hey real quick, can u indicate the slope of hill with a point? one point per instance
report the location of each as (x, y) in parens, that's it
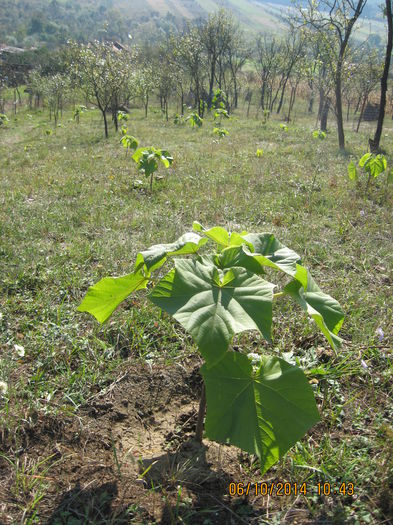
(32, 22)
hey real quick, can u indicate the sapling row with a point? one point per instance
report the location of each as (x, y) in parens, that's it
(255, 401)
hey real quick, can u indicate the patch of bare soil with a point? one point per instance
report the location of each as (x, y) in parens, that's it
(128, 456)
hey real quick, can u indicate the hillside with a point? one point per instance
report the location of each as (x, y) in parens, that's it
(28, 23)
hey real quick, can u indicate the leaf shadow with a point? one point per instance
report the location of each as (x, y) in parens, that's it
(94, 505)
(192, 491)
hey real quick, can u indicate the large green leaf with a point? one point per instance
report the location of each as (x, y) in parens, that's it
(252, 251)
(268, 251)
(352, 171)
(373, 164)
(156, 255)
(213, 305)
(105, 296)
(262, 410)
(326, 311)
(220, 236)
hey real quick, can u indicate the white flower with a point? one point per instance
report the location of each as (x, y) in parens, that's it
(3, 388)
(19, 350)
(380, 334)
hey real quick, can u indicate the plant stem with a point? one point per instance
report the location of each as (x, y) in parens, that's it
(201, 416)
(277, 295)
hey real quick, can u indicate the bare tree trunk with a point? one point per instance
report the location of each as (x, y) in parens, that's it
(324, 114)
(339, 108)
(105, 124)
(374, 143)
(361, 113)
(282, 96)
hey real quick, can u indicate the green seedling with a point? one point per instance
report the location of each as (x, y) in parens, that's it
(373, 165)
(318, 134)
(266, 115)
(129, 142)
(78, 111)
(148, 160)
(259, 153)
(195, 120)
(124, 130)
(219, 114)
(259, 403)
(3, 119)
(122, 116)
(284, 127)
(48, 132)
(178, 119)
(221, 132)
(219, 99)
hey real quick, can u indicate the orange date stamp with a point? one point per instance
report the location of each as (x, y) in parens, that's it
(286, 488)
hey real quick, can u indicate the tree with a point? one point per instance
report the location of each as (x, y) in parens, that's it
(55, 89)
(365, 77)
(216, 36)
(333, 20)
(143, 82)
(190, 52)
(266, 63)
(374, 143)
(103, 73)
(292, 51)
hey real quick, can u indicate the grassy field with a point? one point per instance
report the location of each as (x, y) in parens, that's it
(96, 423)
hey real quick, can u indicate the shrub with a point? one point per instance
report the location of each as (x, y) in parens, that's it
(259, 403)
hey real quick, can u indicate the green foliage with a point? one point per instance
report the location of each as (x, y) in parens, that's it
(263, 409)
(259, 153)
(318, 134)
(373, 165)
(284, 127)
(79, 110)
(219, 100)
(352, 171)
(122, 116)
(129, 142)
(220, 113)
(195, 120)
(221, 132)
(258, 403)
(147, 160)
(178, 119)
(3, 119)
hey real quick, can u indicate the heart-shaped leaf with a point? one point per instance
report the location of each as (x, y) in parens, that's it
(263, 410)
(213, 305)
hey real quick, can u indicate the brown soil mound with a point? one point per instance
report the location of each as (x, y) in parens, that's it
(128, 456)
